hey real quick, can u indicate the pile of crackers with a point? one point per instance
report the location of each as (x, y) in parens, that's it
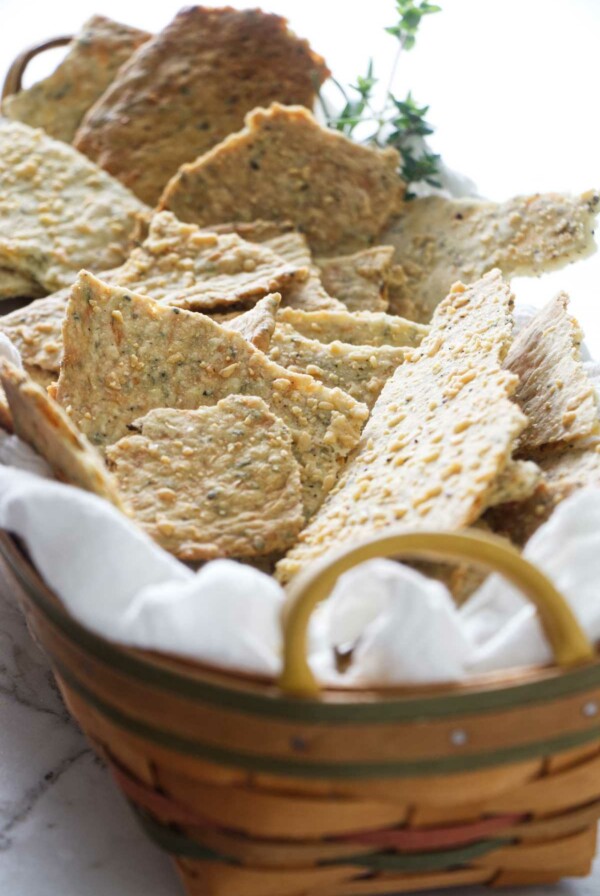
(244, 336)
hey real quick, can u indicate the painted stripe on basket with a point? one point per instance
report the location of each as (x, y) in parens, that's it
(385, 710)
(324, 770)
(178, 844)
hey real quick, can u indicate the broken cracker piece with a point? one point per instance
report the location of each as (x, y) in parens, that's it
(284, 166)
(356, 328)
(554, 389)
(189, 87)
(257, 324)
(14, 285)
(441, 432)
(36, 330)
(183, 266)
(220, 481)
(126, 354)
(360, 281)
(42, 423)
(517, 481)
(439, 241)
(359, 370)
(58, 211)
(58, 103)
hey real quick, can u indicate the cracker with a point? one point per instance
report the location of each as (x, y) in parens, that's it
(440, 434)
(184, 266)
(440, 240)
(258, 324)
(359, 370)
(220, 481)
(58, 211)
(308, 294)
(36, 330)
(58, 103)
(554, 390)
(517, 481)
(360, 280)
(43, 424)
(126, 355)
(285, 166)
(189, 87)
(355, 328)
(14, 285)
(565, 469)
(43, 378)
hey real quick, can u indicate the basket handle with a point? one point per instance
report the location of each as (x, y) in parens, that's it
(13, 83)
(569, 643)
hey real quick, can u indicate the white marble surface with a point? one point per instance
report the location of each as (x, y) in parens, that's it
(513, 91)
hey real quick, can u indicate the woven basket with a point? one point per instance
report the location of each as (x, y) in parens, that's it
(258, 789)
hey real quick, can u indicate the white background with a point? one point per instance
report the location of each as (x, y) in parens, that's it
(513, 88)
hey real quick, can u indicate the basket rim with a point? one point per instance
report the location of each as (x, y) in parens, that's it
(175, 673)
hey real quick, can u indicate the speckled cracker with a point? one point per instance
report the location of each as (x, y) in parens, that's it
(554, 389)
(257, 324)
(221, 481)
(126, 355)
(360, 281)
(36, 330)
(308, 294)
(58, 103)
(285, 166)
(58, 211)
(359, 370)
(355, 328)
(184, 266)
(14, 285)
(440, 240)
(43, 424)
(440, 434)
(189, 87)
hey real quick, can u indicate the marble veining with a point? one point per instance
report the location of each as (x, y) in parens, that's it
(64, 828)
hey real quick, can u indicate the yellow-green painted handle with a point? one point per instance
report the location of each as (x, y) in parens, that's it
(569, 643)
(13, 81)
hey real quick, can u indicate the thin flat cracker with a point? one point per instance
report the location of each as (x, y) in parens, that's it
(36, 330)
(517, 481)
(360, 280)
(126, 355)
(440, 434)
(189, 87)
(440, 240)
(285, 166)
(183, 266)
(58, 211)
(565, 469)
(554, 389)
(220, 481)
(355, 328)
(308, 294)
(258, 324)
(14, 285)
(58, 103)
(360, 370)
(42, 423)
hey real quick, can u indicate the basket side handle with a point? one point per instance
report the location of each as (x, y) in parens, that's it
(569, 643)
(13, 83)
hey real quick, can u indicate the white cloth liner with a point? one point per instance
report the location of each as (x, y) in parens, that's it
(400, 625)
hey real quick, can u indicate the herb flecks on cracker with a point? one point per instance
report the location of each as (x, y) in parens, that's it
(284, 166)
(439, 240)
(189, 87)
(440, 434)
(220, 481)
(355, 328)
(554, 389)
(126, 354)
(42, 423)
(58, 103)
(58, 211)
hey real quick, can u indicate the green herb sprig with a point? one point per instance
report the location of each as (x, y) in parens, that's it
(400, 123)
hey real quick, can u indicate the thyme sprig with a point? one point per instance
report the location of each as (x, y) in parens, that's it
(400, 123)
